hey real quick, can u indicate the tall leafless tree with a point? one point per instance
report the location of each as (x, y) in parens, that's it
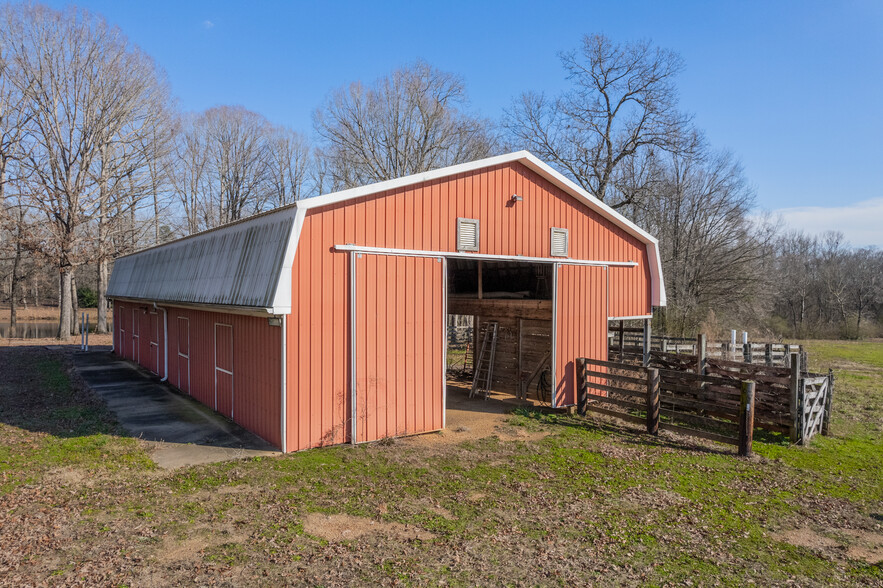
(86, 86)
(622, 103)
(405, 123)
(289, 162)
(713, 251)
(14, 117)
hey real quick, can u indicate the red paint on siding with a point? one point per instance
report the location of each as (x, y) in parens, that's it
(249, 348)
(399, 385)
(424, 216)
(581, 329)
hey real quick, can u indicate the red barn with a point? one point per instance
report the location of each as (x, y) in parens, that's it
(324, 322)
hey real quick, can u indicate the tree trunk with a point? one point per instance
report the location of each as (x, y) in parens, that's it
(102, 264)
(102, 296)
(13, 295)
(64, 304)
(75, 304)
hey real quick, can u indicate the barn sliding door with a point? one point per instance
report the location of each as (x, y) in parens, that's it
(580, 328)
(399, 351)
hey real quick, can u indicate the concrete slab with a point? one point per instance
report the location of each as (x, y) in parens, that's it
(180, 430)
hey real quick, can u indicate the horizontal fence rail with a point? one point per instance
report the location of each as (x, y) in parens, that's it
(701, 406)
(629, 341)
(713, 398)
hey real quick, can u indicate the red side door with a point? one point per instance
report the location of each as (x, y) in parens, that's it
(154, 343)
(183, 330)
(224, 369)
(136, 337)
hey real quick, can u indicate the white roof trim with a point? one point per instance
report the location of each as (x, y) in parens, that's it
(531, 162)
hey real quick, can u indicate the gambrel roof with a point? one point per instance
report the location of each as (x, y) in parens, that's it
(247, 264)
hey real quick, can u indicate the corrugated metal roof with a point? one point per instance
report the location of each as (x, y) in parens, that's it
(240, 265)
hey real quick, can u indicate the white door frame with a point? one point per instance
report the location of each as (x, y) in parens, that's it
(222, 370)
(180, 355)
(136, 334)
(154, 339)
(353, 255)
(122, 330)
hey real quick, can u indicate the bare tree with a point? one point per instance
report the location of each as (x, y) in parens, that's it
(85, 84)
(408, 122)
(289, 161)
(224, 168)
(14, 116)
(623, 102)
(189, 171)
(712, 251)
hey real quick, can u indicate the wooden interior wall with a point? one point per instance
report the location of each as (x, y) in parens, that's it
(521, 344)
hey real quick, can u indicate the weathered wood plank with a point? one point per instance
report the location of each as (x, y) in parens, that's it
(620, 415)
(493, 308)
(613, 389)
(619, 402)
(700, 421)
(698, 433)
(614, 364)
(616, 377)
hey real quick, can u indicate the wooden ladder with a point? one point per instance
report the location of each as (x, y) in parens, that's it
(484, 367)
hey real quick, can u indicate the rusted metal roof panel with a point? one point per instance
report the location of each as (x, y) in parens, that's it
(235, 265)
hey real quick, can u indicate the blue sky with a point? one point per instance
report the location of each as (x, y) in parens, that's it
(793, 88)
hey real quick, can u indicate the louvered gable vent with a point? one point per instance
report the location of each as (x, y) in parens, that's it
(467, 234)
(559, 242)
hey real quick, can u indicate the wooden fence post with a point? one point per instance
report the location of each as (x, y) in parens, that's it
(701, 350)
(653, 401)
(583, 393)
(794, 401)
(664, 345)
(746, 419)
(768, 354)
(646, 358)
(622, 341)
(804, 364)
(827, 418)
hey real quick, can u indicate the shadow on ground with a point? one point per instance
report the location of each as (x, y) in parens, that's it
(36, 394)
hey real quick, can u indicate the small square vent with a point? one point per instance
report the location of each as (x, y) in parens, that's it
(467, 234)
(559, 242)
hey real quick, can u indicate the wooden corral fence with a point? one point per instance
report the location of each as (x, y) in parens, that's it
(709, 407)
(710, 398)
(626, 343)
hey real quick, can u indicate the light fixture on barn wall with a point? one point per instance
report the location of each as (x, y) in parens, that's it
(274, 321)
(516, 198)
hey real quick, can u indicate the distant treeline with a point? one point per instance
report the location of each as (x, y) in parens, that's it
(97, 162)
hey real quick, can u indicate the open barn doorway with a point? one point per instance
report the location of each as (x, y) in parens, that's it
(500, 330)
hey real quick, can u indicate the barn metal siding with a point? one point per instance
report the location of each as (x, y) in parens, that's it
(581, 325)
(238, 265)
(424, 216)
(400, 330)
(255, 359)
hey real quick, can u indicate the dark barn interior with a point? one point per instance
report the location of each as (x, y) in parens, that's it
(518, 297)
